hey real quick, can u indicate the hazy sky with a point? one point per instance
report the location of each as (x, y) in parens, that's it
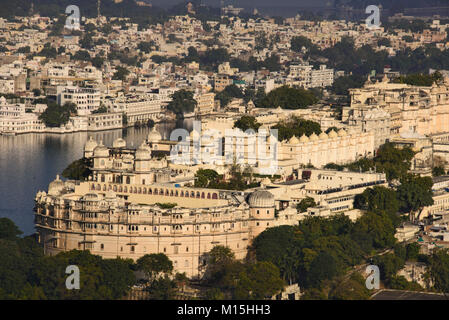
(253, 3)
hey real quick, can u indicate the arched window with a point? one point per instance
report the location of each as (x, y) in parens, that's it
(171, 193)
(155, 191)
(125, 189)
(104, 188)
(92, 186)
(214, 196)
(98, 187)
(150, 191)
(192, 194)
(182, 193)
(135, 189)
(144, 190)
(202, 195)
(115, 188)
(140, 190)
(120, 189)
(161, 192)
(176, 193)
(128, 180)
(102, 178)
(166, 192)
(208, 195)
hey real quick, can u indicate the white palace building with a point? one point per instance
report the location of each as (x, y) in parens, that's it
(124, 210)
(135, 203)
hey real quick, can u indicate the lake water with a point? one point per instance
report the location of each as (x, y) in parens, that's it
(29, 162)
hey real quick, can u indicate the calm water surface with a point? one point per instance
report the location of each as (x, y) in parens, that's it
(29, 162)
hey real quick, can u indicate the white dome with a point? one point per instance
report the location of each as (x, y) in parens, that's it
(56, 186)
(323, 136)
(90, 145)
(101, 151)
(265, 181)
(261, 199)
(304, 138)
(154, 136)
(143, 152)
(119, 143)
(293, 140)
(313, 137)
(332, 134)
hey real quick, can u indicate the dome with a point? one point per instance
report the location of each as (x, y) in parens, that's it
(304, 138)
(261, 199)
(143, 152)
(56, 186)
(332, 134)
(323, 136)
(342, 133)
(265, 181)
(101, 151)
(194, 135)
(154, 136)
(313, 137)
(90, 145)
(119, 143)
(293, 140)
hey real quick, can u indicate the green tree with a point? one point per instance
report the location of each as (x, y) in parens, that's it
(323, 267)
(120, 74)
(412, 251)
(389, 264)
(260, 281)
(438, 171)
(145, 47)
(379, 199)
(182, 102)
(288, 98)
(296, 126)
(353, 288)
(220, 255)
(204, 177)
(297, 43)
(8, 229)
(78, 170)
(375, 230)
(439, 270)
(247, 122)
(305, 203)
(415, 193)
(163, 288)
(56, 115)
(154, 264)
(101, 109)
(282, 247)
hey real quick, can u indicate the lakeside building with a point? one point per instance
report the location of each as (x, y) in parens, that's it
(118, 212)
(14, 119)
(135, 204)
(85, 99)
(136, 107)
